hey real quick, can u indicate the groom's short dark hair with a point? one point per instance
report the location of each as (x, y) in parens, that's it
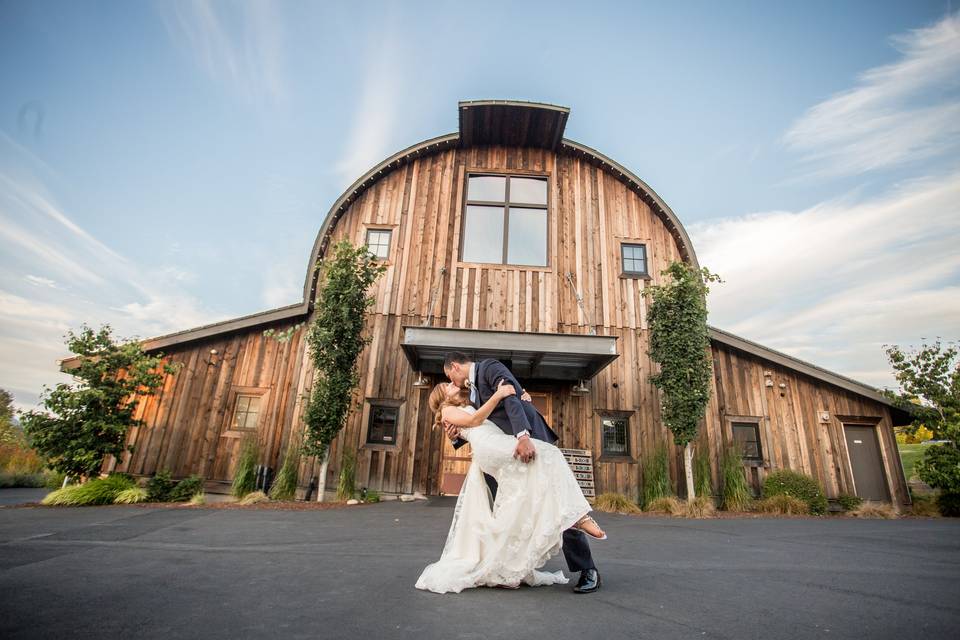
(455, 356)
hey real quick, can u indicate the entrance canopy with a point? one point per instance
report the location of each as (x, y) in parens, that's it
(537, 356)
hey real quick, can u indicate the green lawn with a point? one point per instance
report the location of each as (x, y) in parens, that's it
(909, 454)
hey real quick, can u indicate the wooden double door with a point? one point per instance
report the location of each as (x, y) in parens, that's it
(454, 463)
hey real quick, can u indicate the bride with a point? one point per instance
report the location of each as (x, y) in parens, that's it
(536, 501)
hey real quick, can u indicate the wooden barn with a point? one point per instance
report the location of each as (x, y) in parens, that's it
(507, 240)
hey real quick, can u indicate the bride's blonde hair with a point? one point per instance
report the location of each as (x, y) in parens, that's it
(439, 399)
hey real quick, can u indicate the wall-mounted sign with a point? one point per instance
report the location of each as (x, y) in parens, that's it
(581, 463)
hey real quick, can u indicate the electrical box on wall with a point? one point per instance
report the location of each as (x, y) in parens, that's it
(824, 416)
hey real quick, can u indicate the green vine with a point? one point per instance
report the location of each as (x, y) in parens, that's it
(680, 344)
(336, 339)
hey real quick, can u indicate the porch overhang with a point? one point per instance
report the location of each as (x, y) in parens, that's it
(531, 356)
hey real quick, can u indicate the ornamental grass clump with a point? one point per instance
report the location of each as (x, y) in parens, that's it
(735, 493)
(254, 497)
(284, 487)
(133, 495)
(656, 476)
(615, 503)
(668, 505)
(798, 485)
(347, 485)
(875, 510)
(701, 473)
(700, 507)
(245, 478)
(782, 504)
(92, 492)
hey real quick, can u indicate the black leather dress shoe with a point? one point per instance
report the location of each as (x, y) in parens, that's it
(589, 581)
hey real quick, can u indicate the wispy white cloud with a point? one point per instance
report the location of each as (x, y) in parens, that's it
(375, 116)
(897, 113)
(55, 275)
(238, 44)
(832, 283)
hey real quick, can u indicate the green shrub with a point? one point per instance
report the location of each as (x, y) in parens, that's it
(198, 498)
(656, 476)
(949, 504)
(346, 487)
(735, 492)
(924, 506)
(798, 485)
(53, 479)
(782, 504)
(30, 480)
(940, 468)
(848, 502)
(96, 491)
(132, 495)
(159, 486)
(284, 486)
(372, 496)
(245, 478)
(615, 503)
(702, 482)
(185, 489)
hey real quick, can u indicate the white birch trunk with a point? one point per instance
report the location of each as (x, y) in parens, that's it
(322, 480)
(688, 468)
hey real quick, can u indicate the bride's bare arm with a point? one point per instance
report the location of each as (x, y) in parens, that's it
(465, 420)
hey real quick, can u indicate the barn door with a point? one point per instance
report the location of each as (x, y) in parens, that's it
(866, 463)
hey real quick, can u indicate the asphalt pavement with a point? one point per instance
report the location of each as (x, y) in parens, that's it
(154, 572)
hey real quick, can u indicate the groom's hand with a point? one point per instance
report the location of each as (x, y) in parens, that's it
(525, 449)
(452, 430)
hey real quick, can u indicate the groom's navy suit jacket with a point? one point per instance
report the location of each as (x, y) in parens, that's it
(512, 415)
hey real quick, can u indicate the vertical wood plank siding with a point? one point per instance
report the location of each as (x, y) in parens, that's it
(591, 213)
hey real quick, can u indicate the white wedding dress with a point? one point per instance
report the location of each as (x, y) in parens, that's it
(536, 502)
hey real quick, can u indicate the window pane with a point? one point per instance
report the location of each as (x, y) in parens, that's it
(746, 435)
(383, 425)
(254, 404)
(614, 436)
(487, 188)
(483, 234)
(242, 403)
(528, 237)
(528, 190)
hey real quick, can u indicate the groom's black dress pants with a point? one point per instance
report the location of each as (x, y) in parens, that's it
(576, 550)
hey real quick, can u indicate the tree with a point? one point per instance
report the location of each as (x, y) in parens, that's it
(679, 343)
(929, 380)
(336, 339)
(90, 420)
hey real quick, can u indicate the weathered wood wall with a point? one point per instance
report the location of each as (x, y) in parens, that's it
(590, 213)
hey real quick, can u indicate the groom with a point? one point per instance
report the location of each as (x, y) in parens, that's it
(521, 419)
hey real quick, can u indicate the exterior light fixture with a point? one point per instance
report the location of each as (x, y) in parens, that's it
(580, 389)
(421, 381)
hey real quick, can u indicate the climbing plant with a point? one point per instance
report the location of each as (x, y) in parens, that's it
(679, 343)
(336, 338)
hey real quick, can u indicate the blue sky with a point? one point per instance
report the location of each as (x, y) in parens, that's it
(165, 165)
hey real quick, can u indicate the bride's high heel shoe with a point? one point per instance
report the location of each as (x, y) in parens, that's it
(584, 519)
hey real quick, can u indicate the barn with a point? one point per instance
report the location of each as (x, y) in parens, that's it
(505, 239)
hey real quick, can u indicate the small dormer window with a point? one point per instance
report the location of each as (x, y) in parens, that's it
(634, 259)
(505, 220)
(378, 243)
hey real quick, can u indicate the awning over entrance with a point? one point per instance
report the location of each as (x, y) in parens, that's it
(541, 356)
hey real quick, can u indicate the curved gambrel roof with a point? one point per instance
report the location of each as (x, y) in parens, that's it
(507, 122)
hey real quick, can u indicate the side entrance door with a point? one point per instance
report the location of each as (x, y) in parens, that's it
(866, 463)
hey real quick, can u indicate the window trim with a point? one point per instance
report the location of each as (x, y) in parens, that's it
(235, 392)
(368, 405)
(641, 275)
(366, 240)
(757, 422)
(627, 456)
(480, 172)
